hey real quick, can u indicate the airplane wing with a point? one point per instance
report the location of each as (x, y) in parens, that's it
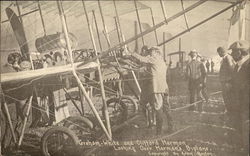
(51, 71)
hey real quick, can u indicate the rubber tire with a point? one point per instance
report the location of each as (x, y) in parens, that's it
(123, 105)
(53, 130)
(132, 101)
(76, 119)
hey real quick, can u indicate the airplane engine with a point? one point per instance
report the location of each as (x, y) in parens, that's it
(53, 48)
(54, 42)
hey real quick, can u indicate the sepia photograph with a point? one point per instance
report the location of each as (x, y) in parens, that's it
(124, 77)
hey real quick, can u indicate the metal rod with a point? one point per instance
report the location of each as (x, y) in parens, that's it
(118, 18)
(97, 30)
(9, 121)
(136, 41)
(106, 52)
(82, 99)
(139, 21)
(164, 47)
(133, 73)
(41, 15)
(71, 99)
(103, 23)
(179, 44)
(74, 72)
(109, 134)
(65, 31)
(92, 106)
(200, 23)
(25, 121)
(117, 29)
(185, 17)
(64, 15)
(19, 12)
(156, 26)
(153, 21)
(163, 10)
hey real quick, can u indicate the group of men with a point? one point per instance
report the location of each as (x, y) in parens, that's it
(234, 78)
(235, 81)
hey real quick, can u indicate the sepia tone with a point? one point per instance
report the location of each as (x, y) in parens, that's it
(125, 77)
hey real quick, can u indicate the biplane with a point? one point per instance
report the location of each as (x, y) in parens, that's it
(57, 59)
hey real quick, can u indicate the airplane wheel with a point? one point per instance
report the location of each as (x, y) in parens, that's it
(118, 111)
(81, 126)
(58, 141)
(131, 105)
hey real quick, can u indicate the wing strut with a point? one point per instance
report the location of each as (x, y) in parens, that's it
(202, 22)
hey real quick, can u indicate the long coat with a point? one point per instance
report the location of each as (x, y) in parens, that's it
(158, 70)
(241, 86)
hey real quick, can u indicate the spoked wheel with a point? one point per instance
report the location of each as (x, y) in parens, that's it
(131, 105)
(58, 141)
(81, 126)
(118, 111)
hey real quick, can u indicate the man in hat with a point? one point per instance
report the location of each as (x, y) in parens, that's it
(158, 86)
(225, 76)
(195, 75)
(241, 90)
(145, 96)
(204, 81)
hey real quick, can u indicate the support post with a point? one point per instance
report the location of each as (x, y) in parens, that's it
(106, 52)
(74, 72)
(202, 22)
(9, 121)
(164, 47)
(117, 29)
(103, 23)
(118, 18)
(97, 30)
(163, 10)
(19, 12)
(185, 17)
(25, 121)
(139, 21)
(133, 73)
(65, 18)
(100, 77)
(157, 25)
(41, 15)
(153, 21)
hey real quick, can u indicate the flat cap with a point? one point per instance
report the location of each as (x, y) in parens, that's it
(156, 48)
(192, 52)
(242, 44)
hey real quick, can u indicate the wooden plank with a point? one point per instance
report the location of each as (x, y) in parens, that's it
(109, 134)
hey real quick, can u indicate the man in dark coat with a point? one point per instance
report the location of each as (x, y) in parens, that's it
(241, 88)
(225, 76)
(158, 85)
(195, 75)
